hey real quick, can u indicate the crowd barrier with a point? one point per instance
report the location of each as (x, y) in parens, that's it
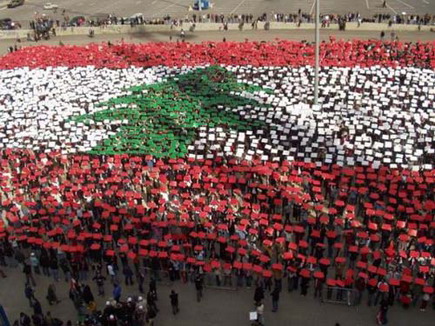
(339, 295)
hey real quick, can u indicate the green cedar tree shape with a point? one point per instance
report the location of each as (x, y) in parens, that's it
(163, 118)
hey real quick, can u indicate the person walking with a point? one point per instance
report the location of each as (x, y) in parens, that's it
(275, 299)
(174, 302)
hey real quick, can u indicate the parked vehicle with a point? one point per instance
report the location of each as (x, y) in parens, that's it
(50, 6)
(8, 24)
(15, 3)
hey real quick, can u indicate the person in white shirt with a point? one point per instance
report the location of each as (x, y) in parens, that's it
(260, 312)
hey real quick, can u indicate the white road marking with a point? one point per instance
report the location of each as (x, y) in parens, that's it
(406, 4)
(367, 4)
(312, 7)
(426, 2)
(389, 7)
(237, 7)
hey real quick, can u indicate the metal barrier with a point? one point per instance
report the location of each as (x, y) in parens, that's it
(220, 282)
(339, 295)
(161, 276)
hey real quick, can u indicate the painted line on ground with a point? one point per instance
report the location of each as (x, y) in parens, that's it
(312, 7)
(406, 4)
(238, 6)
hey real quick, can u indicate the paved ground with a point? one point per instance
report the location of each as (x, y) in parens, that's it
(219, 307)
(179, 8)
(259, 35)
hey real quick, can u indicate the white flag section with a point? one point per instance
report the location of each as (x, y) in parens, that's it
(366, 116)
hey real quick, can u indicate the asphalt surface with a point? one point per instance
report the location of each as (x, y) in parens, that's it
(180, 8)
(218, 307)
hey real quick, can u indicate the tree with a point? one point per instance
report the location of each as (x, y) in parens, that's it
(163, 118)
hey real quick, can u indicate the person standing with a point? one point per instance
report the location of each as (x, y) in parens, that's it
(199, 287)
(99, 280)
(128, 274)
(360, 286)
(44, 261)
(111, 272)
(260, 313)
(37, 309)
(275, 299)
(117, 290)
(27, 270)
(140, 280)
(87, 295)
(381, 317)
(51, 295)
(151, 300)
(34, 262)
(54, 268)
(29, 293)
(174, 302)
(151, 315)
(24, 320)
(259, 294)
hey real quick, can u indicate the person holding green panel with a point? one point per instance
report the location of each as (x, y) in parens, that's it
(163, 118)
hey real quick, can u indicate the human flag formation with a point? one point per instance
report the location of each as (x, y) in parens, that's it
(217, 135)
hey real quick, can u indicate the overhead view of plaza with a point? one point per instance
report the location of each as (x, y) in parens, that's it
(217, 162)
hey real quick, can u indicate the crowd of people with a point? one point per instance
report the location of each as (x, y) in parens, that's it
(349, 229)
(41, 22)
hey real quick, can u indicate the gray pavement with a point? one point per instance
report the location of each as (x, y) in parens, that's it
(218, 307)
(179, 8)
(259, 35)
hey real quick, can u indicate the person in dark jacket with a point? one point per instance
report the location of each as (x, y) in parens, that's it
(199, 287)
(37, 309)
(128, 274)
(259, 294)
(29, 293)
(24, 319)
(54, 268)
(88, 297)
(174, 302)
(44, 261)
(99, 280)
(27, 270)
(275, 299)
(51, 295)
